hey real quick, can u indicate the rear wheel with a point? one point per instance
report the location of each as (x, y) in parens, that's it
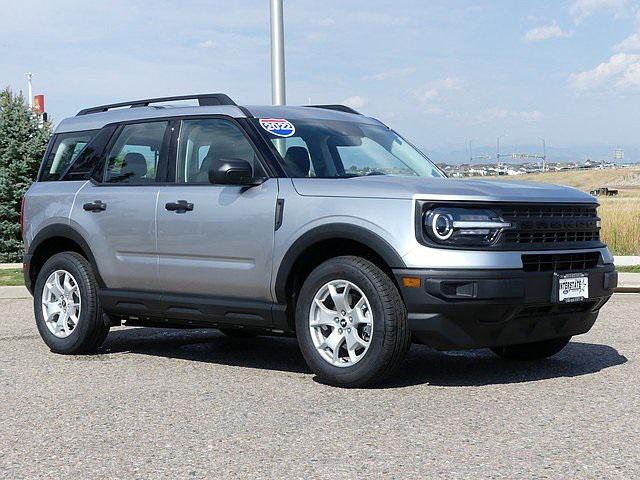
(67, 307)
(532, 351)
(351, 322)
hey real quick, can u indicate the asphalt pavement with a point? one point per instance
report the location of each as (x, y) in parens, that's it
(194, 404)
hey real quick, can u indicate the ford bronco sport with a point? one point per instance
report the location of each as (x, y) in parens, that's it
(311, 221)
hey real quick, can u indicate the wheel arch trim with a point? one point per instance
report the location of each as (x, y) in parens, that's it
(333, 231)
(69, 233)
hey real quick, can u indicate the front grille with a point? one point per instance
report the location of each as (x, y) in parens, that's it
(560, 262)
(549, 211)
(551, 237)
(540, 226)
(558, 309)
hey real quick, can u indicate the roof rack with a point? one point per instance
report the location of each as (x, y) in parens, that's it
(337, 108)
(203, 100)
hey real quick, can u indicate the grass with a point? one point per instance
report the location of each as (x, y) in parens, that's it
(620, 215)
(629, 269)
(11, 277)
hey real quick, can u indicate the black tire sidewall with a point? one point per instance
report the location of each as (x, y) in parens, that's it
(87, 322)
(376, 357)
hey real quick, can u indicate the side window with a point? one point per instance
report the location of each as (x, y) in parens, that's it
(134, 156)
(66, 148)
(202, 141)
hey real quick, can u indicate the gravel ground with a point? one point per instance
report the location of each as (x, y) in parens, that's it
(194, 404)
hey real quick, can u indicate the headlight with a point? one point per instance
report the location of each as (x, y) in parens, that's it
(458, 226)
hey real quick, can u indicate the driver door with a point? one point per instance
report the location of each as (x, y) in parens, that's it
(221, 244)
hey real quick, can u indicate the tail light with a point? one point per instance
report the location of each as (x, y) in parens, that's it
(22, 215)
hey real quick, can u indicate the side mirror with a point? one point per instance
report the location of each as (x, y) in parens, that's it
(231, 171)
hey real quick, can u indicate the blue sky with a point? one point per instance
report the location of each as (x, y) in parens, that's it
(440, 72)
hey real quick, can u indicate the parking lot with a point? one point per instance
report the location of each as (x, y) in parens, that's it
(194, 404)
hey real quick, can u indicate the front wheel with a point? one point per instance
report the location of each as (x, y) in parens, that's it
(351, 322)
(532, 351)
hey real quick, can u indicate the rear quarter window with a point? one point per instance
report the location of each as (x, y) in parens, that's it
(64, 151)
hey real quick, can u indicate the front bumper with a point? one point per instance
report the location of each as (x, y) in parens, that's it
(459, 309)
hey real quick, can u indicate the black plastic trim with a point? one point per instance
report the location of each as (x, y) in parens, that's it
(63, 231)
(193, 310)
(466, 308)
(329, 232)
(279, 213)
(336, 108)
(204, 99)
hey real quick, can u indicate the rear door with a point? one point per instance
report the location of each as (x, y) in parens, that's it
(116, 211)
(222, 247)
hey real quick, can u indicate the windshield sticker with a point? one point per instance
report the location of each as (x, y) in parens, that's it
(278, 126)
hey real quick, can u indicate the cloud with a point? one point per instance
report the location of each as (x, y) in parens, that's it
(502, 113)
(436, 88)
(581, 9)
(206, 44)
(356, 101)
(546, 32)
(489, 114)
(391, 73)
(629, 44)
(621, 71)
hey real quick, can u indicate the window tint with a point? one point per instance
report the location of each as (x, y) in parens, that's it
(296, 156)
(66, 148)
(203, 141)
(346, 149)
(134, 155)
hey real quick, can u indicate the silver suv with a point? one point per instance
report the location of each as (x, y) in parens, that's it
(311, 221)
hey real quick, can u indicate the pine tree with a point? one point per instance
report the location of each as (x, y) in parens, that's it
(22, 146)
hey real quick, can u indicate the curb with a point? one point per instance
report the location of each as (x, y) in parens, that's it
(626, 260)
(8, 266)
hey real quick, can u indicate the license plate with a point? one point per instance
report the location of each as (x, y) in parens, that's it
(573, 287)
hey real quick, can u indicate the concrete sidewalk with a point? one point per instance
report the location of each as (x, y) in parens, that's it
(627, 260)
(8, 293)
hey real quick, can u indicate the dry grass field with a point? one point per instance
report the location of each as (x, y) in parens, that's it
(620, 215)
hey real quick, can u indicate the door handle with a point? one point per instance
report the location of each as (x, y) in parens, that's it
(180, 206)
(96, 206)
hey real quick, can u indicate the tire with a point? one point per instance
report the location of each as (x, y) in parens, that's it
(237, 333)
(389, 337)
(532, 351)
(91, 329)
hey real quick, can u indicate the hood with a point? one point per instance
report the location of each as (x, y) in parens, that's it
(379, 186)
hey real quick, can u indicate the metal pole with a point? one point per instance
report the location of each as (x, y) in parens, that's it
(498, 146)
(29, 75)
(277, 53)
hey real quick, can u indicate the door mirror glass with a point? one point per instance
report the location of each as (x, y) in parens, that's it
(231, 171)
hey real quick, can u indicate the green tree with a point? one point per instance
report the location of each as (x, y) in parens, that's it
(22, 146)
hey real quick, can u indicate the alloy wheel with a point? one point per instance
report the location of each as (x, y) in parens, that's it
(341, 323)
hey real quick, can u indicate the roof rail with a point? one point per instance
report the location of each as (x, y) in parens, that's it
(337, 108)
(203, 100)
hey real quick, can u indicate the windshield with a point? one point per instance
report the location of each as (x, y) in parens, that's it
(336, 149)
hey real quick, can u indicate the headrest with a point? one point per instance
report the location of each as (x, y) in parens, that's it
(296, 162)
(135, 165)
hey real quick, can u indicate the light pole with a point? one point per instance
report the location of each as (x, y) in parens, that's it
(544, 154)
(30, 99)
(470, 150)
(277, 53)
(498, 146)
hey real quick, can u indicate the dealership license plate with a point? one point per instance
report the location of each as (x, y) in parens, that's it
(573, 287)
